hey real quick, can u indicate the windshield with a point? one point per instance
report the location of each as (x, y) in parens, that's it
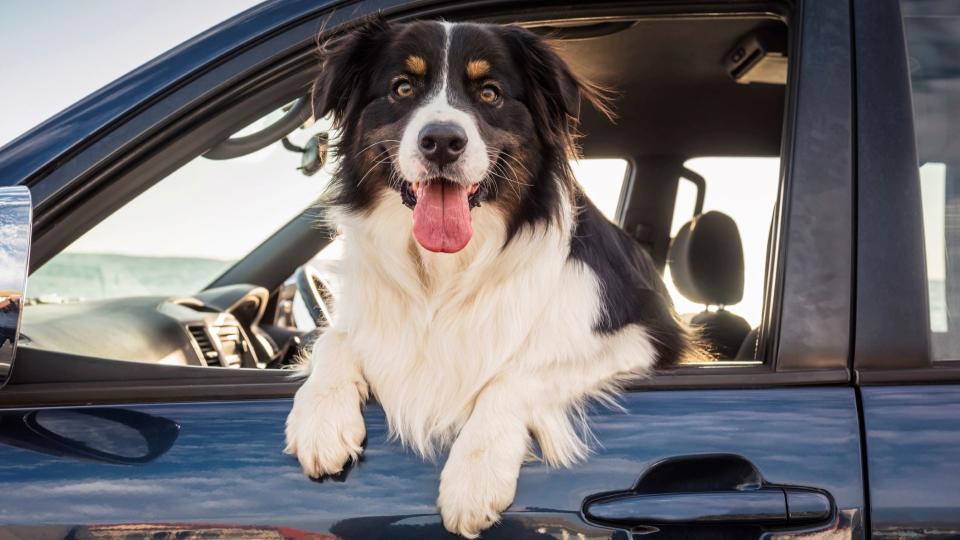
(179, 235)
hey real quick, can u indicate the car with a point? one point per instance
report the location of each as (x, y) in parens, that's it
(176, 265)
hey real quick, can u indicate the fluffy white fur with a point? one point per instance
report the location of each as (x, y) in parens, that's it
(474, 351)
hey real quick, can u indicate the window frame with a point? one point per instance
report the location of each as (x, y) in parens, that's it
(106, 173)
(893, 343)
(806, 334)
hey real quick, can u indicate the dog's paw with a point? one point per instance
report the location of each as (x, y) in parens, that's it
(325, 429)
(474, 491)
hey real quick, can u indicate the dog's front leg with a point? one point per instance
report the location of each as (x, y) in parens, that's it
(480, 477)
(325, 428)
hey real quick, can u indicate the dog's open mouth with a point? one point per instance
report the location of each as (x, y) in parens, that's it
(441, 213)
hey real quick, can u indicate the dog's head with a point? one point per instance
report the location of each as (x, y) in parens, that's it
(450, 117)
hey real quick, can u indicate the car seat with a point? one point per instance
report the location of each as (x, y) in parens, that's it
(706, 263)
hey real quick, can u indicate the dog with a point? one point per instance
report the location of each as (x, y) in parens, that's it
(484, 299)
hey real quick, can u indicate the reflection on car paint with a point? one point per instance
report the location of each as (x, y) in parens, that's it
(913, 438)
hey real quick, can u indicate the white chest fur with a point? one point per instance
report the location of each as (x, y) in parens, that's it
(433, 329)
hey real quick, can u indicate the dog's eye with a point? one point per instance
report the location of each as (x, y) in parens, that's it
(402, 88)
(490, 93)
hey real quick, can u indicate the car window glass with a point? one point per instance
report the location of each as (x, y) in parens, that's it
(602, 180)
(744, 188)
(685, 205)
(933, 48)
(183, 232)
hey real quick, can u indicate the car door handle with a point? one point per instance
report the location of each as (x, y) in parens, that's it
(709, 489)
(769, 505)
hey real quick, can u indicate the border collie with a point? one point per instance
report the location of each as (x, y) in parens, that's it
(485, 299)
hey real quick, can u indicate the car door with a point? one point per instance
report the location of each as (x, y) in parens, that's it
(767, 448)
(907, 340)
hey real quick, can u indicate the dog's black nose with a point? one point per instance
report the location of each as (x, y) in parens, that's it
(442, 143)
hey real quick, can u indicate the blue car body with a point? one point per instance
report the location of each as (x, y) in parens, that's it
(227, 467)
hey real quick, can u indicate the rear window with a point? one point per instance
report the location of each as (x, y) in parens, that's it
(933, 49)
(602, 180)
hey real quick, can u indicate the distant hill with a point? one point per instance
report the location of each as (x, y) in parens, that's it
(91, 276)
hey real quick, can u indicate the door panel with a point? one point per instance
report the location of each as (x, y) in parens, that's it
(225, 469)
(913, 459)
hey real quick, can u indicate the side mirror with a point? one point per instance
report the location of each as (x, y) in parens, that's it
(16, 225)
(107, 435)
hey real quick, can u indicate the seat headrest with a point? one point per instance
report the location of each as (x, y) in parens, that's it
(706, 260)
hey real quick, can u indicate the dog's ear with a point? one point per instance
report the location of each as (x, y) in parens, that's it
(345, 60)
(555, 91)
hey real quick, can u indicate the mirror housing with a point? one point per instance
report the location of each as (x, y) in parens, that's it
(106, 435)
(16, 227)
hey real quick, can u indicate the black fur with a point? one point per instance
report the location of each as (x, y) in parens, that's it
(342, 90)
(553, 99)
(632, 291)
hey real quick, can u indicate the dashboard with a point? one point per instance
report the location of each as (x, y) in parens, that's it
(219, 327)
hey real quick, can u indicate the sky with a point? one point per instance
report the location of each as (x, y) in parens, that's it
(55, 52)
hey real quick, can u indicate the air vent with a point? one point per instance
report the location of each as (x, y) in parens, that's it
(206, 347)
(232, 344)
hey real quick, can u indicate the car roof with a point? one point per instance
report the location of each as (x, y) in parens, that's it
(674, 93)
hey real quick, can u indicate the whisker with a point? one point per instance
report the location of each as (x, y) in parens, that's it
(517, 161)
(514, 174)
(512, 166)
(373, 167)
(365, 148)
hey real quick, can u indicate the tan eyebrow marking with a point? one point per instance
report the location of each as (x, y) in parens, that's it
(417, 65)
(477, 68)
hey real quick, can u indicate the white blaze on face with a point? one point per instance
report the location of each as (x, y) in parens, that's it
(473, 163)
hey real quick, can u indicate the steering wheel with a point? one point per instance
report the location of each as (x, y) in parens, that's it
(316, 294)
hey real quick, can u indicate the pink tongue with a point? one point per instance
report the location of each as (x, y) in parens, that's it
(441, 218)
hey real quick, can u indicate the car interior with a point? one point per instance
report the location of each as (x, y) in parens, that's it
(687, 87)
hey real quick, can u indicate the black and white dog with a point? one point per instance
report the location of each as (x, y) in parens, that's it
(484, 297)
